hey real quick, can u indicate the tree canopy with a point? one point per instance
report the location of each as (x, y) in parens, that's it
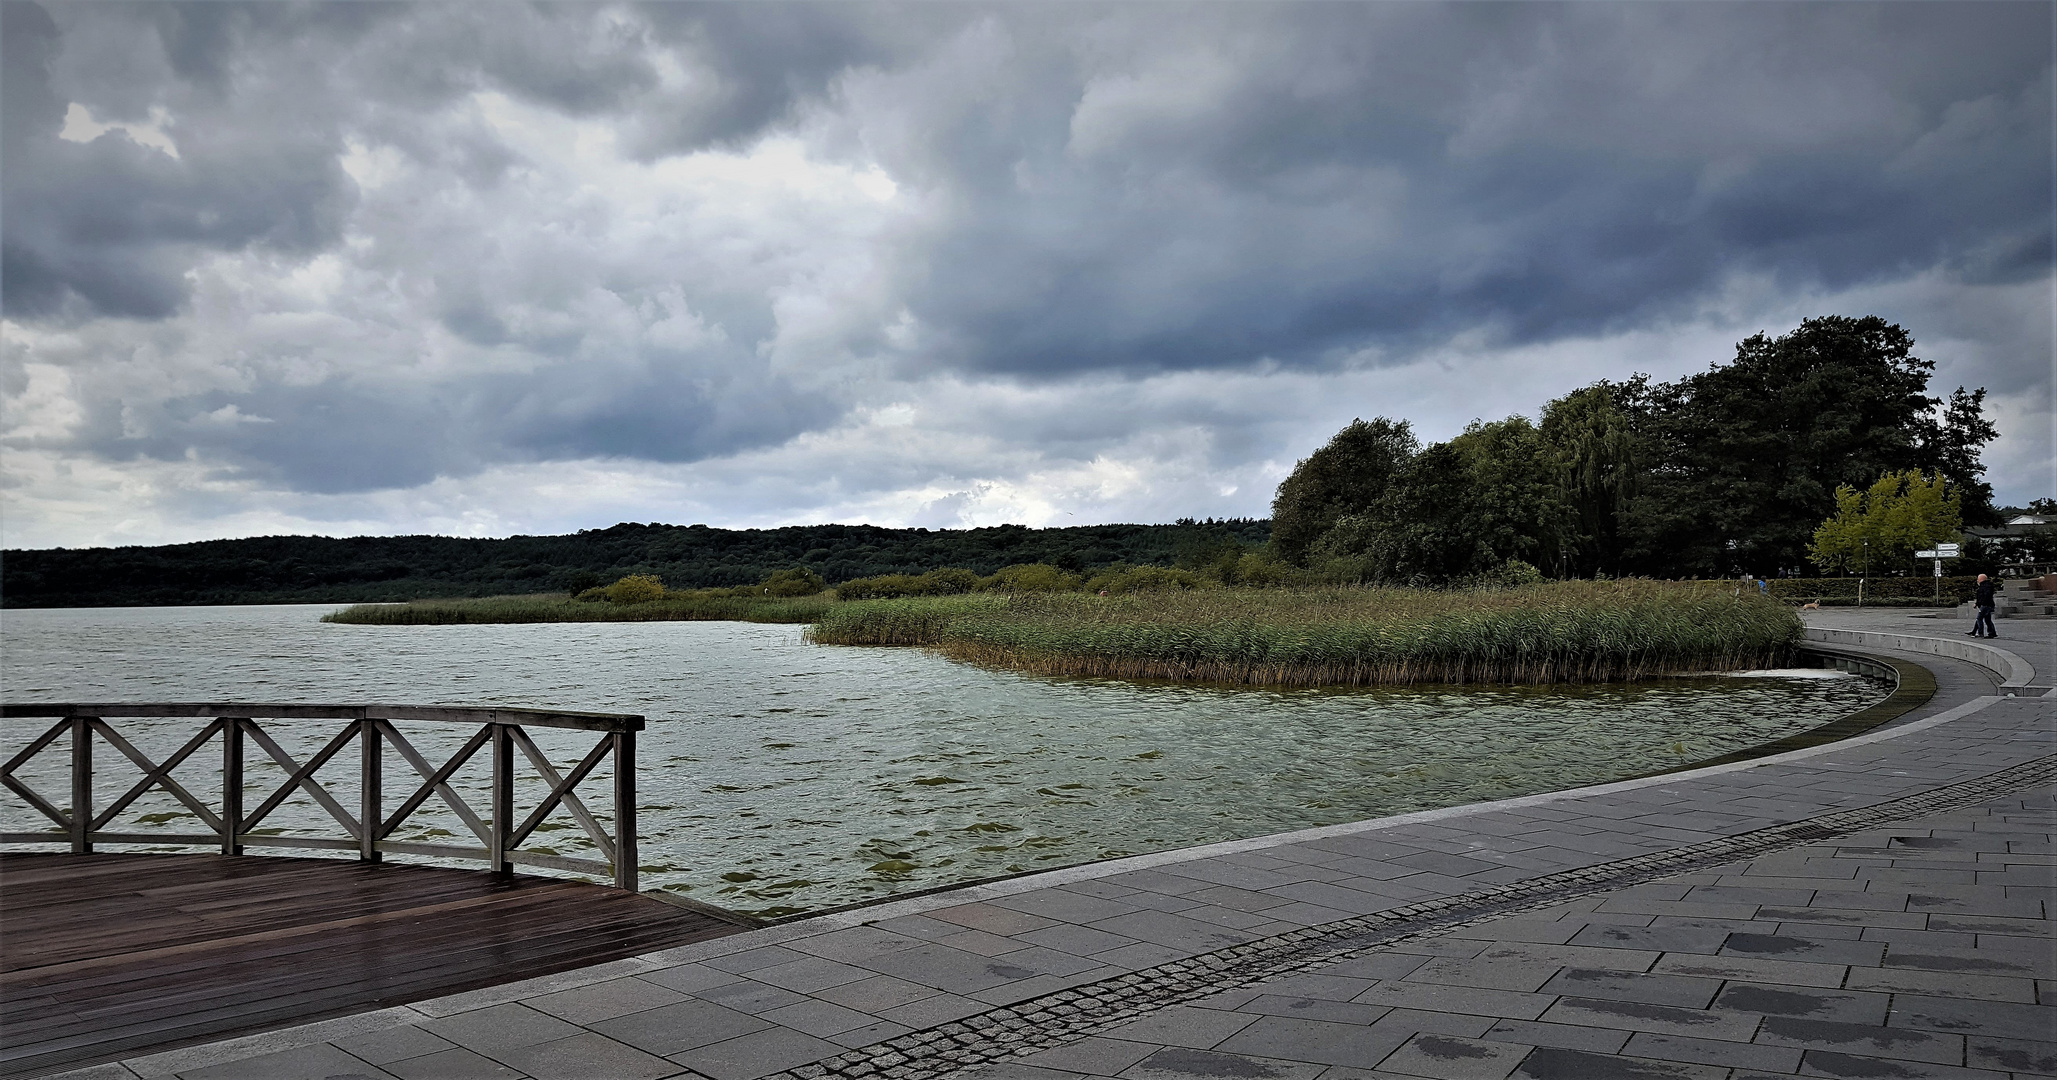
(1726, 470)
(1343, 477)
(1883, 527)
(1747, 456)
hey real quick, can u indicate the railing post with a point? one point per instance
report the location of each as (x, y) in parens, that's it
(231, 784)
(503, 800)
(81, 784)
(625, 810)
(370, 805)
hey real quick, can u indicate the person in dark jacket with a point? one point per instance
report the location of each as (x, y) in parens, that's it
(1984, 600)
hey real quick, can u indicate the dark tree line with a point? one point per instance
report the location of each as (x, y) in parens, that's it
(313, 569)
(1724, 471)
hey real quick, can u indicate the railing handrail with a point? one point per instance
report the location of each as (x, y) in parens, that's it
(582, 721)
(500, 733)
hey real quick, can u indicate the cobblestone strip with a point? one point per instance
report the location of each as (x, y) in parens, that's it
(1058, 1018)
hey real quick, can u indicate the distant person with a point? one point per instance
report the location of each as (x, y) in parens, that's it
(1984, 600)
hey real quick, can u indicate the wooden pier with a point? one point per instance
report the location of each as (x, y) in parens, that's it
(105, 956)
(109, 956)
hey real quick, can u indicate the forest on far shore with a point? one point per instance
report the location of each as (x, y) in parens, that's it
(366, 569)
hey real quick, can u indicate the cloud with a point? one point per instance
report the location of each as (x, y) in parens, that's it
(782, 262)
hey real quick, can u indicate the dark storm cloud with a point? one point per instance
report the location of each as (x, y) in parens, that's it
(1086, 191)
(336, 436)
(110, 226)
(757, 63)
(1364, 177)
(264, 95)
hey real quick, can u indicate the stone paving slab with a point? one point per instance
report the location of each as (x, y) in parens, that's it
(1610, 1007)
(1910, 945)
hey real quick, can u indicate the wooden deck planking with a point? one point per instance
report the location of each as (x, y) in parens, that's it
(107, 956)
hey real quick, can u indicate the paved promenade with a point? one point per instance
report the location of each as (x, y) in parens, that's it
(1877, 907)
(2032, 641)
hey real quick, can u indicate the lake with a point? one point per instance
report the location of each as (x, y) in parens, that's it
(779, 776)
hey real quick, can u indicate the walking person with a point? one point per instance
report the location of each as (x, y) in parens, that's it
(1984, 600)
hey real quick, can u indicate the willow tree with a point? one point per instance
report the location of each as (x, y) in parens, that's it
(1601, 459)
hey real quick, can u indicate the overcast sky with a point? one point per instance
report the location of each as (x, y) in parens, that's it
(483, 269)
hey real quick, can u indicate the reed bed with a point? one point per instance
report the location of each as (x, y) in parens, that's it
(558, 608)
(1556, 632)
(908, 620)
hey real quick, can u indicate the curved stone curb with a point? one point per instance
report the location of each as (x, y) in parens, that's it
(1055, 1019)
(2014, 672)
(1913, 687)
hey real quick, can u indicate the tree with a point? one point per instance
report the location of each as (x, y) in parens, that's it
(1460, 509)
(1901, 513)
(1517, 510)
(1952, 444)
(1602, 460)
(1748, 455)
(1418, 532)
(1840, 543)
(1919, 513)
(1346, 476)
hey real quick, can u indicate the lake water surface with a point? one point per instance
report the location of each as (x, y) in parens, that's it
(776, 775)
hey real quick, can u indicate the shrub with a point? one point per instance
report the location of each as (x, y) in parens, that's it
(1121, 578)
(881, 587)
(948, 581)
(1262, 570)
(634, 589)
(798, 581)
(1508, 575)
(1914, 589)
(1030, 577)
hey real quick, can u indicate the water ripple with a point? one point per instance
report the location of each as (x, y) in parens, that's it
(779, 776)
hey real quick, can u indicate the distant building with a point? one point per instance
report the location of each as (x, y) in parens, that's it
(2018, 525)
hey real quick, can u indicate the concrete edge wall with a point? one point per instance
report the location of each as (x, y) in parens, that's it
(2014, 672)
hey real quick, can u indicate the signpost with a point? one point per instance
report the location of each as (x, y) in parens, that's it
(1939, 553)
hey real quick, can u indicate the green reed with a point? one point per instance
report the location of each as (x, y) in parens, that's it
(1555, 632)
(910, 620)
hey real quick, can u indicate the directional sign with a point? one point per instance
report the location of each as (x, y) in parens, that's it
(1949, 550)
(1928, 554)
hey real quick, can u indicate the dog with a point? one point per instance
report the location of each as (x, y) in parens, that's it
(1813, 605)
